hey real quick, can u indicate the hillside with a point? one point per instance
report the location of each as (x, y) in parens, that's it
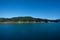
(26, 19)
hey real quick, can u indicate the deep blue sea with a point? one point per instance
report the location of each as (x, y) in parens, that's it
(37, 31)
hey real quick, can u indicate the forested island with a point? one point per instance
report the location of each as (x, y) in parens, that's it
(26, 20)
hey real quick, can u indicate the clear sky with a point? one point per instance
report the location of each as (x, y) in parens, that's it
(46, 9)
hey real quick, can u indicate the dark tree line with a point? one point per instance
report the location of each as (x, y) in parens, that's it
(25, 19)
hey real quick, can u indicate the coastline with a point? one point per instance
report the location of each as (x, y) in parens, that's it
(21, 22)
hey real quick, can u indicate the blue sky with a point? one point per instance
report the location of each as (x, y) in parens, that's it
(46, 9)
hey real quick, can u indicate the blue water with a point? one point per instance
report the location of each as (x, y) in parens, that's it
(38, 31)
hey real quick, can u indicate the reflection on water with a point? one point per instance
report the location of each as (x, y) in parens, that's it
(39, 31)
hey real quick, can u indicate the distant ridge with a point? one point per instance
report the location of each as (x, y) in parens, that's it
(27, 19)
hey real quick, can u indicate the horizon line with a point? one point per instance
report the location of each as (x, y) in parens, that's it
(28, 16)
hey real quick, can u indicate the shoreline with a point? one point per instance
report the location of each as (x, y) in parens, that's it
(22, 22)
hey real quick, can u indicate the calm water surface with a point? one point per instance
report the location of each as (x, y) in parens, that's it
(38, 31)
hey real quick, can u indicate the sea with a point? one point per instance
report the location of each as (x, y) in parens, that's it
(30, 31)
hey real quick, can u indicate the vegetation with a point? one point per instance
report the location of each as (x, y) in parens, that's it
(26, 19)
